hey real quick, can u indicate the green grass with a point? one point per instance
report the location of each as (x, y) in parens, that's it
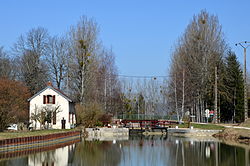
(185, 125)
(10, 134)
(202, 126)
(207, 126)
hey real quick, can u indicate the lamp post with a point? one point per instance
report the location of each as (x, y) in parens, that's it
(245, 45)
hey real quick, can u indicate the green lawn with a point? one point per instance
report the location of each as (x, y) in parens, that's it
(202, 126)
(9, 134)
(208, 126)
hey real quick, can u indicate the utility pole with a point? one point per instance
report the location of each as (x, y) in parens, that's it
(245, 45)
(138, 107)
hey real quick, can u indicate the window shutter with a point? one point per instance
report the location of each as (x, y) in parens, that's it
(54, 99)
(44, 99)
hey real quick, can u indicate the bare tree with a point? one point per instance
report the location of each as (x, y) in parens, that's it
(31, 49)
(198, 52)
(144, 95)
(108, 82)
(33, 72)
(91, 68)
(36, 40)
(57, 57)
(83, 49)
(5, 64)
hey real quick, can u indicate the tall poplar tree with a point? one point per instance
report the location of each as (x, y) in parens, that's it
(199, 51)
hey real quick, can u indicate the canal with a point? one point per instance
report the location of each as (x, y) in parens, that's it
(137, 151)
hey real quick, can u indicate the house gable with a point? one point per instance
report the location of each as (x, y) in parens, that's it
(52, 88)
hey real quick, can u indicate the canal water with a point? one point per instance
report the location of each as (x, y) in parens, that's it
(138, 151)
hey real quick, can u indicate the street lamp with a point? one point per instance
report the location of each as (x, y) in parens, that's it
(245, 45)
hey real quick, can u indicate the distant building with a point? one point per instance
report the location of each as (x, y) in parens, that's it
(54, 108)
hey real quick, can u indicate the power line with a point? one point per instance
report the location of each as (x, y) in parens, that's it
(133, 76)
(152, 77)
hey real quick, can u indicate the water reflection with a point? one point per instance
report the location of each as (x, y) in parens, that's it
(58, 156)
(139, 151)
(97, 153)
(15, 161)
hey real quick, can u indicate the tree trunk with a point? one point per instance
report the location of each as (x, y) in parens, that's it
(183, 94)
(215, 99)
(176, 104)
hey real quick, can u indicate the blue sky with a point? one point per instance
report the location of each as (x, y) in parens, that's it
(142, 33)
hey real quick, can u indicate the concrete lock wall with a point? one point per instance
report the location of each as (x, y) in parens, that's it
(108, 132)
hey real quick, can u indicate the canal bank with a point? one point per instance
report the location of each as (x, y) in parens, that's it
(106, 132)
(120, 132)
(192, 132)
(238, 135)
(38, 142)
(196, 130)
(133, 150)
(138, 150)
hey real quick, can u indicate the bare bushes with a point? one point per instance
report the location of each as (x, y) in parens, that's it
(89, 115)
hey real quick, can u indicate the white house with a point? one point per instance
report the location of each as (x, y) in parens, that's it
(60, 156)
(60, 106)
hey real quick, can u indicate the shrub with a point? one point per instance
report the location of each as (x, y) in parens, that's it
(88, 114)
(13, 102)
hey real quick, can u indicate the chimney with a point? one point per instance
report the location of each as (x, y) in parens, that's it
(49, 83)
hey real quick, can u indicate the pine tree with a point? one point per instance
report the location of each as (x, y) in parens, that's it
(232, 103)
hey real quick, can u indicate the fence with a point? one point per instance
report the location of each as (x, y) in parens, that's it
(146, 117)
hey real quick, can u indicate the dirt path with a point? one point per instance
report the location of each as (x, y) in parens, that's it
(238, 127)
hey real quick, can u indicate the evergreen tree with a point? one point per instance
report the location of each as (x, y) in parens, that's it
(232, 102)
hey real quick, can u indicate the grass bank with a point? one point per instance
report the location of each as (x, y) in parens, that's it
(240, 134)
(246, 123)
(234, 134)
(207, 126)
(17, 134)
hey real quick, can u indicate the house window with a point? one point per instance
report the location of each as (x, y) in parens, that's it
(49, 99)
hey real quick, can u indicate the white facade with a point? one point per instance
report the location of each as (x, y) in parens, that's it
(56, 157)
(48, 99)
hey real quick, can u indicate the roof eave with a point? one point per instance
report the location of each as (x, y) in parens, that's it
(52, 89)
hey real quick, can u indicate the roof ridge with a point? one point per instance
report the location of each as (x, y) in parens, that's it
(49, 85)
